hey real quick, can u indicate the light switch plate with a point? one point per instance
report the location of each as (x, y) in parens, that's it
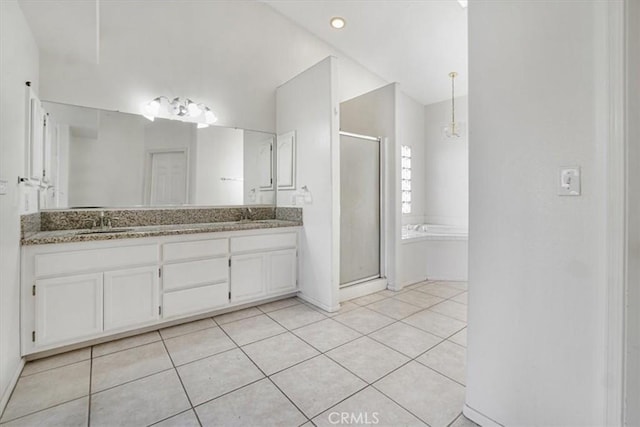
(4, 187)
(569, 181)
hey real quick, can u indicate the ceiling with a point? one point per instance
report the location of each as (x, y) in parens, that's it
(416, 43)
(413, 42)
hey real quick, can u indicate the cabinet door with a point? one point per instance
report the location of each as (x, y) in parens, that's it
(130, 297)
(248, 277)
(282, 271)
(68, 308)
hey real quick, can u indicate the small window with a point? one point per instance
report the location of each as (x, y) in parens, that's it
(405, 155)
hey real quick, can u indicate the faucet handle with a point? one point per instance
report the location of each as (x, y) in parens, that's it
(110, 221)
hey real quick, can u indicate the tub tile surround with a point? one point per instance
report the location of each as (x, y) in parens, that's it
(283, 363)
(61, 226)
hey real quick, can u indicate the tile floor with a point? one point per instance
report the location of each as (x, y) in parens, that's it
(389, 359)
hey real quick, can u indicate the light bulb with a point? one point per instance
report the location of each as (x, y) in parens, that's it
(210, 117)
(337, 22)
(193, 108)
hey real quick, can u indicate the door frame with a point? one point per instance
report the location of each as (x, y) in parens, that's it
(615, 30)
(148, 159)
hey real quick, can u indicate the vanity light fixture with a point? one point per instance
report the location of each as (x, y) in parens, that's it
(452, 129)
(182, 109)
(337, 22)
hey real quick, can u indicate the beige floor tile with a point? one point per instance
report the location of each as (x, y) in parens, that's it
(142, 402)
(364, 320)
(184, 419)
(258, 404)
(277, 353)
(406, 339)
(186, 328)
(125, 343)
(393, 308)
(459, 285)
(447, 358)
(452, 309)
(368, 299)
(435, 323)
(277, 305)
(326, 334)
(418, 298)
(252, 329)
(296, 316)
(369, 407)
(463, 298)
(237, 315)
(463, 421)
(367, 358)
(317, 384)
(460, 338)
(390, 293)
(70, 414)
(56, 361)
(45, 389)
(344, 307)
(209, 378)
(127, 365)
(196, 345)
(440, 290)
(432, 397)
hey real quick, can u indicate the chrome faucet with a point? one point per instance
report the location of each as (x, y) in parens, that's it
(246, 214)
(105, 221)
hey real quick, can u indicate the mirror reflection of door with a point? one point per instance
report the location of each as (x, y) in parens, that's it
(168, 178)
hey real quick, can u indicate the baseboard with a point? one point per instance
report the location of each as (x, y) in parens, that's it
(12, 384)
(362, 289)
(479, 418)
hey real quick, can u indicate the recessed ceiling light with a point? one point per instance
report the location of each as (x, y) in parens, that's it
(337, 22)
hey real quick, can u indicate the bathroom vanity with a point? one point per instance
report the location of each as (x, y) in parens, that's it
(79, 286)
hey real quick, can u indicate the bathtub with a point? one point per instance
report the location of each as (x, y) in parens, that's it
(433, 252)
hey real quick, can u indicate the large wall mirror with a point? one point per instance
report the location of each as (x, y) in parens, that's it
(101, 158)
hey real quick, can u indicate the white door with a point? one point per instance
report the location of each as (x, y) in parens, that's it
(168, 178)
(248, 277)
(130, 297)
(68, 308)
(282, 271)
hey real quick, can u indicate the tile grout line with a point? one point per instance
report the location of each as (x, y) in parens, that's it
(90, 385)
(184, 389)
(268, 377)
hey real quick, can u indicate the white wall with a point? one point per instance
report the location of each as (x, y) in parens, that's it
(411, 132)
(633, 215)
(536, 339)
(18, 63)
(447, 165)
(306, 104)
(231, 55)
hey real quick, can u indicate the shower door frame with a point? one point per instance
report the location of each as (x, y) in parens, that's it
(382, 185)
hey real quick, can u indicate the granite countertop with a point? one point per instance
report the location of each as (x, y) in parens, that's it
(84, 235)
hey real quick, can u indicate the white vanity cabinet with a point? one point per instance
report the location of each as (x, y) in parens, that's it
(195, 276)
(78, 292)
(263, 265)
(67, 307)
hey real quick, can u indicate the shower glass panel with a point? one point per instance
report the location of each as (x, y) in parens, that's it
(359, 209)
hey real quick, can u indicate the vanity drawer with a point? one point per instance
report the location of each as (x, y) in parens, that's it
(95, 259)
(197, 249)
(264, 242)
(192, 273)
(193, 300)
